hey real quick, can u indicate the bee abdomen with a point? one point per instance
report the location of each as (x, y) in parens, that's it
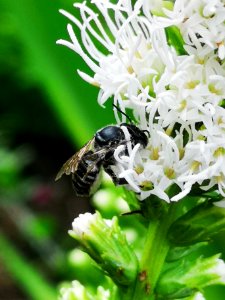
(82, 180)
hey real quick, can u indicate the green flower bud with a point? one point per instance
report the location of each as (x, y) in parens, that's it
(104, 241)
(184, 278)
(78, 292)
(197, 225)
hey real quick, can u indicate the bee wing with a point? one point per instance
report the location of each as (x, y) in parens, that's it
(70, 166)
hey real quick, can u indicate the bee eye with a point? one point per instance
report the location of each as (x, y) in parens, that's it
(108, 135)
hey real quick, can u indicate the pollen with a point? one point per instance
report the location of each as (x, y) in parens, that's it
(139, 169)
(219, 152)
(181, 153)
(220, 121)
(170, 173)
(201, 61)
(146, 185)
(130, 69)
(149, 46)
(220, 44)
(195, 165)
(219, 178)
(169, 130)
(95, 83)
(201, 137)
(192, 84)
(214, 90)
(138, 55)
(183, 105)
(154, 154)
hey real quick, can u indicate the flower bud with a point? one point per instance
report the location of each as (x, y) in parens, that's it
(184, 278)
(78, 292)
(104, 241)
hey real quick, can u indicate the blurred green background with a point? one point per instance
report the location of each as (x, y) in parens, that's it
(47, 112)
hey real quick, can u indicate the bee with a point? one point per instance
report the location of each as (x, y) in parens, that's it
(98, 153)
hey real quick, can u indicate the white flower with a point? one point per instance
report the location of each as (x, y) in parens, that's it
(201, 21)
(82, 223)
(220, 203)
(195, 91)
(206, 20)
(130, 62)
(78, 292)
(87, 223)
(219, 270)
(197, 296)
(177, 98)
(164, 13)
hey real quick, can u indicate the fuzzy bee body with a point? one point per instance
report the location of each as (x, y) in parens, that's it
(83, 180)
(98, 153)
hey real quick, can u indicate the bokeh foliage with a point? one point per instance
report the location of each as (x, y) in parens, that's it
(37, 25)
(32, 69)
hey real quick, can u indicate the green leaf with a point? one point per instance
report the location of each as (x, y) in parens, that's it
(176, 253)
(197, 225)
(186, 277)
(175, 39)
(131, 199)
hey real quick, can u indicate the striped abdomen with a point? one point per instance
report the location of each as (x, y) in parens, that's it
(84, 180)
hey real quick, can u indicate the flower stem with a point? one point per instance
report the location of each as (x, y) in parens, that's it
(153, 256)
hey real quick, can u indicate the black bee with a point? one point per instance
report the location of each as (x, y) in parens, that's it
(85, 165)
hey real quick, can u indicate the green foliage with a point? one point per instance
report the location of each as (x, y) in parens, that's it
(29, 278)
(38, 25)
(197, 225)
(187, 276)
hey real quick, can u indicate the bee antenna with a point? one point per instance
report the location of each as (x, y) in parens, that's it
(123, 113)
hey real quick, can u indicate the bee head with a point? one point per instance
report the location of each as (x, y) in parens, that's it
(137, 135)
(108, 135)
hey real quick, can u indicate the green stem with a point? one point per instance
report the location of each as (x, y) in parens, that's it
(153, 257)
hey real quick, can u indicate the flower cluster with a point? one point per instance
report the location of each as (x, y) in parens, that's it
(200, 22)
(177, 97)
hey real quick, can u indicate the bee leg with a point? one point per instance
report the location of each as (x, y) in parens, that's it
(116, 180)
